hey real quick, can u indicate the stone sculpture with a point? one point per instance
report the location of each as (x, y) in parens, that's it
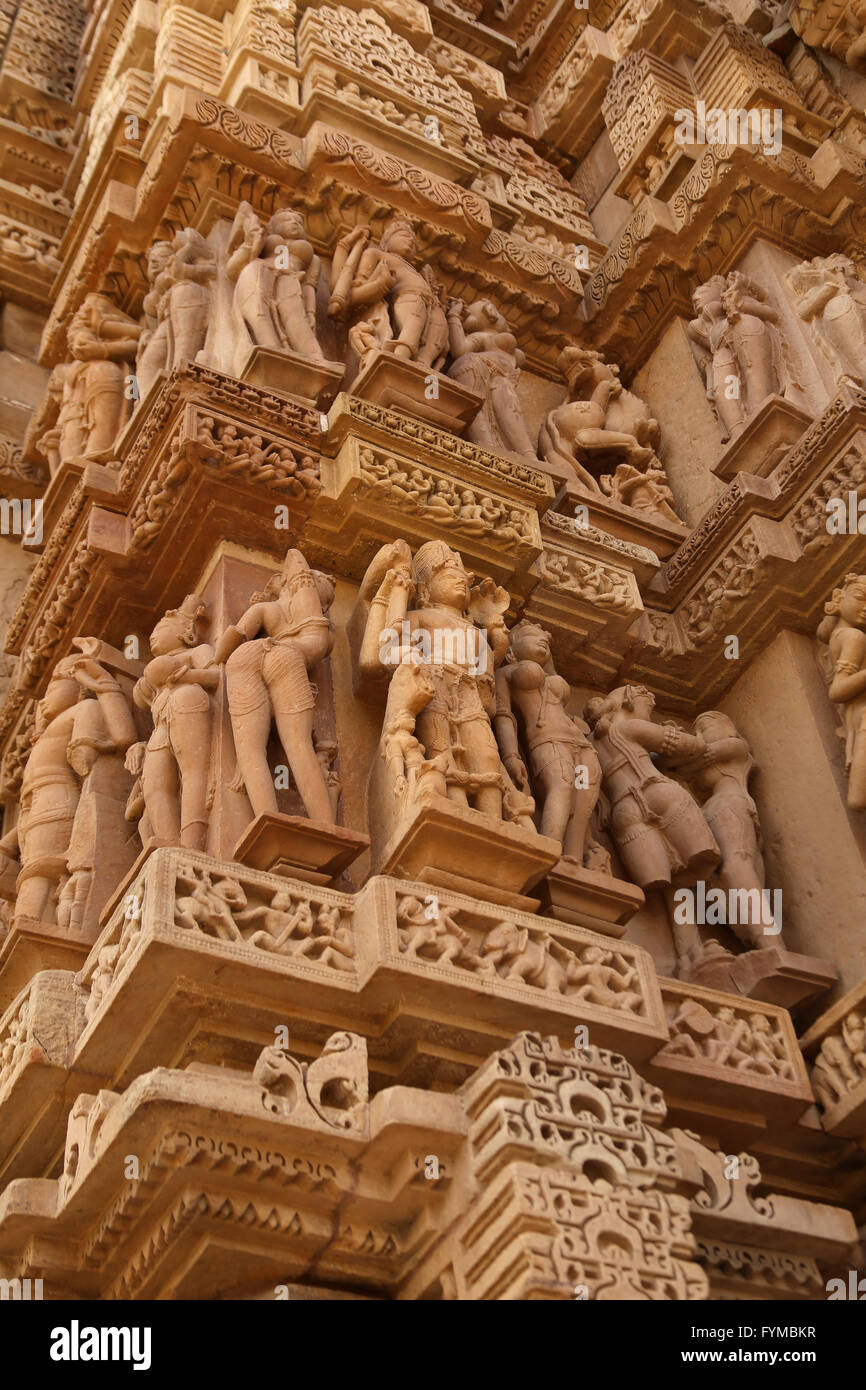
(739, 348)
(392, 306)
(488, 360)
(831, 297)
(458, 632)
(276, 272)
(565, 771)
(82, 720)
(601, 425)
(840, 1065)
(175, 762)
(722, 774)
(178, 306)
(94, 401)
(268, 655)
(843, 629)
(659, 832)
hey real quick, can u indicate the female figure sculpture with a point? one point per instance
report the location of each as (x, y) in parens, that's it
(558, 745)
(276, 272)
(268, 654)
(711, 331)
(723, 771)
(756, 340)
(176, 689)
(72, 731)
(831, 296)
(488, 360)
(181, 303)
(844, 631)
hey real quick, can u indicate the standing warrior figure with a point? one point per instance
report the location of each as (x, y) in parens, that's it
(460, 632)
(558, 744)
(72, 731)
(401, 308)
(844, 631)
(267, 679)
(488, 360)
(831, 296)
(662, 838)
(175, 688)
(723, 771)
(276, 272)
(180, 300)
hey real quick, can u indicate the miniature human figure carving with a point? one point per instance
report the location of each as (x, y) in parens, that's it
(209, 906)
(94, 407)
(72, 731)
(660, 834)
(844, 631)
(181, 304)
(831, 296)
(176, 688)
(602, 424)
(433, 933)
(565, 771)
(740, 347)
(399, 305)
(488, 360)
(462, 630)
(841, 1063)
(276, 272)
(268, 656)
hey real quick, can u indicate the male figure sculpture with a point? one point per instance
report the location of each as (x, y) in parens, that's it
(488, 360)
(71, 731)
(460, 636)
(276, 272)
(398, 305)
(176, 688)
(566, 773)
(844, 631)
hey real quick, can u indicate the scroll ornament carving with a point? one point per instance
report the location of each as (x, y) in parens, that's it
(333, 1087)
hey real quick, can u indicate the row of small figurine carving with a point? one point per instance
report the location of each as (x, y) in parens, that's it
(475, 714)
(256, 287)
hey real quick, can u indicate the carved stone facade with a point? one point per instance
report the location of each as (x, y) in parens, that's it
(432, 754)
